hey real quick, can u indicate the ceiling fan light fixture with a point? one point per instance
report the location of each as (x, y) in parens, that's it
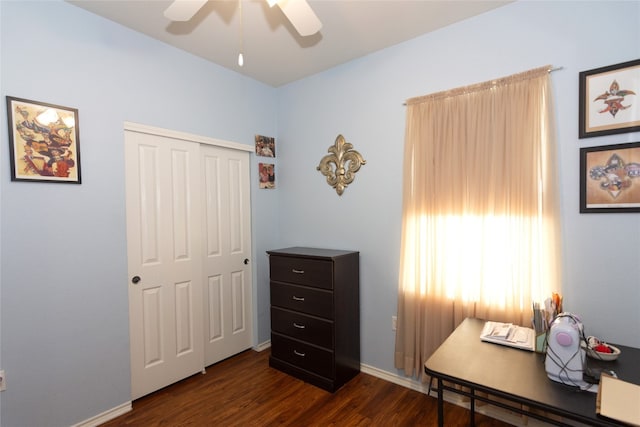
(301, 16)
(298, 12)
(240, 55)
(183, 10)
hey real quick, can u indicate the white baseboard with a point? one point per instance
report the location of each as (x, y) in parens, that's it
(106, 416)
(263, 346)
(396, 379)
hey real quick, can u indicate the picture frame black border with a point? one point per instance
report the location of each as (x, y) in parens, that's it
(582, 119)
(11, 126)
(584, 151)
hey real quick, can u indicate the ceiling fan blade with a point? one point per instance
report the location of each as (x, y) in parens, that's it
(183, 10)
(301, 16)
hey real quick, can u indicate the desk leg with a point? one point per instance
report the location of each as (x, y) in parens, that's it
(472, 409)
(440, 404)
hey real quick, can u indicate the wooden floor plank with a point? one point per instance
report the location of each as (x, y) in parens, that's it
(245, 391)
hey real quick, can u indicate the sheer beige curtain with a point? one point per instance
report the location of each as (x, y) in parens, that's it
(480, 232)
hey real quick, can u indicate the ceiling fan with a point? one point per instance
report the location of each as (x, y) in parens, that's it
(299, 13)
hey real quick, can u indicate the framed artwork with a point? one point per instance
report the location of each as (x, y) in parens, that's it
(265, 146)
(609, 101)
(267, 175)
(44, 143)
(610, 178)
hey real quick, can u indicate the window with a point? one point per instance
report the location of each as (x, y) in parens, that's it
(480, 234)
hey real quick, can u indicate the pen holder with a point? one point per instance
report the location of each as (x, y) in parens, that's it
(541, 342)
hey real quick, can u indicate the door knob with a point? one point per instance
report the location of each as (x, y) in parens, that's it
(135, 279)
(246, 261)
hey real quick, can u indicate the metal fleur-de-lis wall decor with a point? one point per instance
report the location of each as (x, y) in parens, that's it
(341, 165)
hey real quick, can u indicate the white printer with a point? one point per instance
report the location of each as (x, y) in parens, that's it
(565, 360)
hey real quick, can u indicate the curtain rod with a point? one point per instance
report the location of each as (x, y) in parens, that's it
(551, 70)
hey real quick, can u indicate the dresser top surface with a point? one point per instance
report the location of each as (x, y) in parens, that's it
(310, 252)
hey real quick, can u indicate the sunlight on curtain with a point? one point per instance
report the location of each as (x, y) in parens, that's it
(480, 234)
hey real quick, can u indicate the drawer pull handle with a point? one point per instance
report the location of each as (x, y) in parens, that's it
(297, 353)
(299, 326)
(297, 271)
(295, 298)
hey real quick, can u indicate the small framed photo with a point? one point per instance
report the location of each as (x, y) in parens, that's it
(609, 100)
(44, 142)
(610, 178)
(267, 173)
(265, 146)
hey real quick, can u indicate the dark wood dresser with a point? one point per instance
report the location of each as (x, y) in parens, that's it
(315, 314)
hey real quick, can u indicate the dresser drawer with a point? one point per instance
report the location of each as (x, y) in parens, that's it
(302, 327)
(301, 298)
(303, 271)
(303, 355)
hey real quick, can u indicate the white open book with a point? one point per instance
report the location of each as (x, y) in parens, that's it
(509, 334)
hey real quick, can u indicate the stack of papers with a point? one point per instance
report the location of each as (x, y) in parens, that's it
(508, 334)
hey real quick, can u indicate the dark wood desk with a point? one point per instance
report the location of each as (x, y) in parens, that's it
(519, 376)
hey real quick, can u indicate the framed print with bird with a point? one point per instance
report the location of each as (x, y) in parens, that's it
(609, 101)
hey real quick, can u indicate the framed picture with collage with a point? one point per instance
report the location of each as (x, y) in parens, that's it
(44, 143)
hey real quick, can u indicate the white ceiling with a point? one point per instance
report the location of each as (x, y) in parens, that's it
(274, 53)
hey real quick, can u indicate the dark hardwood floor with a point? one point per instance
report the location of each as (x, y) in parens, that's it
(245, 391)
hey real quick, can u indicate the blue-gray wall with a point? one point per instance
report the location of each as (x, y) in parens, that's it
(65, 334)
(63, 271)
(363, 100)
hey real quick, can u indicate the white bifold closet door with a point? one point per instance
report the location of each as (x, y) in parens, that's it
(188, 236)
(227, 249)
